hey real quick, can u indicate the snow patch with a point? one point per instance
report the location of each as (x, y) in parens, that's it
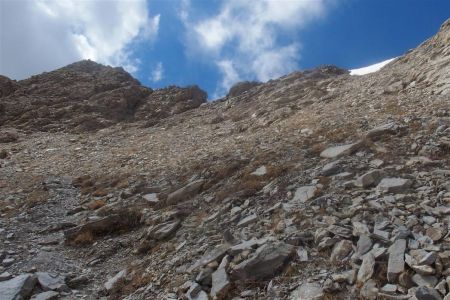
(371, 68)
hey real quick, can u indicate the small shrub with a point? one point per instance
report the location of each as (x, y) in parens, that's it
(96, 204)
(84, 238)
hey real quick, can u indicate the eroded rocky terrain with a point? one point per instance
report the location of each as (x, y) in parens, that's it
(316, 185)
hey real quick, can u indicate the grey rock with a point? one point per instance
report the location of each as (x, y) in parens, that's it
(247, 220)
(304, 193)
(364, 245)
(435, 233)
(442, 287)
(341, 250)
(77, 281)
(302, 254)
(331, 168)
(425, 293)
(49, 295)
(360, 228)
(423, 257)
(308, 291)
(394, 185)
(345, 176)
(338, 151)
(424, 280)
(379, 131)
(369, 290)
(185, 193)
(204, 277)
(112, 282)
(396, 262)
(17, 288)
(52, 282)
(220, 282)
(195, 292)
(216, 254)
(5, 276)
(389, 288)
(367, 267)
(370, 178)
(163, 231)
(8, 262)
(380, 234)
(424, 269)
(151, 199)
(247, 245)
(267, 260)
(261, 171)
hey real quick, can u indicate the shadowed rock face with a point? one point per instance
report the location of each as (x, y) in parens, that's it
(7, 86)
(86, 96)
(241, 87)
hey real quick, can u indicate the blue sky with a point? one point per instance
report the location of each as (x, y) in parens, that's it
(212, 43)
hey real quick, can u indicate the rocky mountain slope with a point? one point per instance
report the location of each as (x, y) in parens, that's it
(316, 185)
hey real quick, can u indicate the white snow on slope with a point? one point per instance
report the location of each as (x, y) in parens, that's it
(371, 68)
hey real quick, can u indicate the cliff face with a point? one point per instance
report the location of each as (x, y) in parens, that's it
(316, 185)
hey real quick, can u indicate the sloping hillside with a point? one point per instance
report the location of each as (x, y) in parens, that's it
(316, 185)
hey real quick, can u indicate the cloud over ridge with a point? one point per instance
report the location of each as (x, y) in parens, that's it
(45, 34)
(244, 38)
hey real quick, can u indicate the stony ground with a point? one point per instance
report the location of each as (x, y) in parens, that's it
(317, 185)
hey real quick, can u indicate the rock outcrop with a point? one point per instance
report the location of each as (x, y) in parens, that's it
(86, 96)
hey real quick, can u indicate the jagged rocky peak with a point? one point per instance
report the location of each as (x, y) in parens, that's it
(86, 96)
(7, 86)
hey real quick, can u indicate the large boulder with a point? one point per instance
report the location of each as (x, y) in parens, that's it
(17, 288)
(267, 260)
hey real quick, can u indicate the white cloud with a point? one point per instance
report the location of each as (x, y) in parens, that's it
(45, 34)
(229, 76)
(247, 36)
(157, 73)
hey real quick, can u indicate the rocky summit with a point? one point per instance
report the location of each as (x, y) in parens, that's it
(316, 185)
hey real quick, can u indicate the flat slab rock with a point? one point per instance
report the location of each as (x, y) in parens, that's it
(49, 295)
(17, 288)
(370, 178)
(164, 230)
(52, 282)
(394, 185)
(247, 220)
(220, 281)
(308, 291)
(185, 193)
(379, 131)
(214, 255)
(396, 261)
(268, 259)
(338, 151)
(104, 225)
(304, 193)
